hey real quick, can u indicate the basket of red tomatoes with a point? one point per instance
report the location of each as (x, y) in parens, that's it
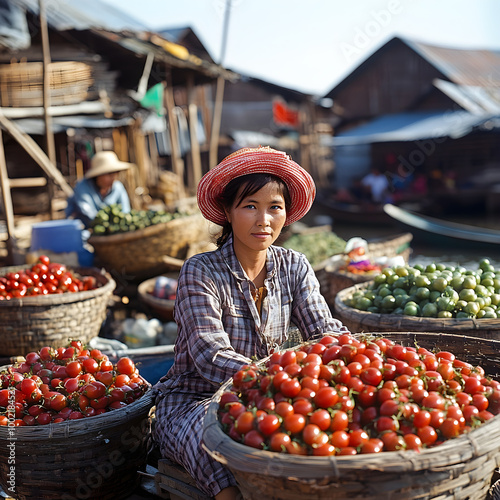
(403, 415)
(48, 303)
(73, 424)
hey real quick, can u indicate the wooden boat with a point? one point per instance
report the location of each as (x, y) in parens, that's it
(353, 213)
(438, 232)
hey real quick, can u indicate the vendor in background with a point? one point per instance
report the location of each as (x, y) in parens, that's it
(376, 186)
(235, 304)
(99, 188)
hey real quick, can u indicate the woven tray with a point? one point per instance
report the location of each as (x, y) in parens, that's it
(459, 469)
(94, 457)
(139, 253)
(362, 321)
(332, 279)
(30, 323)
(162, 309)
(22, 83)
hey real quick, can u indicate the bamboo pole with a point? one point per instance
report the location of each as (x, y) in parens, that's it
(34, 150)
(177, 163)
(12, 249)
(219, 98)
(193, 126)
(214, 137)
(49, 133)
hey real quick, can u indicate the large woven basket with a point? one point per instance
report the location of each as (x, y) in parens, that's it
(459, 469)
(94, 457)
(29, 323)
(139, 254)
(332, 278)
(22, 83)
(362, 321)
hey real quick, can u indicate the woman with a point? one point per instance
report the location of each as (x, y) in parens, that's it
(236, 303)
(99, 188)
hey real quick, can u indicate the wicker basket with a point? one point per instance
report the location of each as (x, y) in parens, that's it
(459, 469)
(162, 309)
(139, 253)
(359, 321)
(332, 279)
(21, 83)
(94, 457)
(30, 323)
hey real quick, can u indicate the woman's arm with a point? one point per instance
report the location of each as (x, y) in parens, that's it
(199, 313)
(310, 311)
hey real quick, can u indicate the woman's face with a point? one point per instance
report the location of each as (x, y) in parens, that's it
(105, 181)
(257, 220)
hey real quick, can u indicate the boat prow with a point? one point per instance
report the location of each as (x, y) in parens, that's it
(441, 231)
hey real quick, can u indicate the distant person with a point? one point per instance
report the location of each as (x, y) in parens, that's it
(376, 185)
(99, 188)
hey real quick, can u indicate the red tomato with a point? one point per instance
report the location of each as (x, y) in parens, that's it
(326, 397)
(279, 441)
(268, 424)
(254, 439)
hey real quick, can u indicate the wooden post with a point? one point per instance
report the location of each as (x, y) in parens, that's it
(49, 134)
(214, 137)
(177, 163)
(12, 249)
(193, 126)
(219, 97)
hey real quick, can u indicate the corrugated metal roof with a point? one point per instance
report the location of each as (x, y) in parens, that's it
(84, 14)
(475, 99)
(416, 126)
(462, 66)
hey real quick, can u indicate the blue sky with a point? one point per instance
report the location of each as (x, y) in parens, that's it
(310, 45)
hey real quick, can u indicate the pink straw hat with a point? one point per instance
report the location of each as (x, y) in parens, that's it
(252, 161)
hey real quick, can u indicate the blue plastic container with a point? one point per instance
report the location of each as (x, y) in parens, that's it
(61, 236)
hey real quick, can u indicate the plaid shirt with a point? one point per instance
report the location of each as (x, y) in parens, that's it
(220, 330)
(219, 326)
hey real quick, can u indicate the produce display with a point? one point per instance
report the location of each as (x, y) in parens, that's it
(68, 383)
(352, 395)
(111, 219)
(43, 278)
(433, 291)
(317, 247)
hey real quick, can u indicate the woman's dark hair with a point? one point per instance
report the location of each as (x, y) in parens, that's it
(251, 184)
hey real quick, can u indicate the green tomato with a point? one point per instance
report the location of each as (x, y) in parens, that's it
(422, 293)
(389, 302)
(495, 299)
(401, 271)
(422, 280)
(411, 309)
(402, 299)
(439, 284)
(467, 294)
(430, 310)
(481, 291)
(445, 314)
(445, 304)
(472, 308)
(363, 303)
(457, 282)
